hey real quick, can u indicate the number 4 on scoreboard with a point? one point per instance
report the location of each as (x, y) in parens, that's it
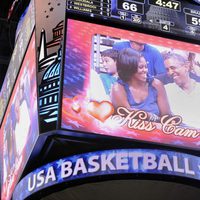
(165, 27)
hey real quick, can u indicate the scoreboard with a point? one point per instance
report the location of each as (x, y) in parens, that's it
(63, 120)
(181, 18)
(163, 27)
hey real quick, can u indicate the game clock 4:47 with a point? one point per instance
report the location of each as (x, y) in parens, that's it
(174, 5)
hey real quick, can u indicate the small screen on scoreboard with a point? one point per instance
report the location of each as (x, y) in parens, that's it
(19, 130)
(131, 85)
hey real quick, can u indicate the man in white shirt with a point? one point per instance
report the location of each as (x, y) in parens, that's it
(184, 94)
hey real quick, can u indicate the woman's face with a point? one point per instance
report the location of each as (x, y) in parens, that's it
(142, 70)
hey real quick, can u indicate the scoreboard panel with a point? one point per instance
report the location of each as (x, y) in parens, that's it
(180, 18)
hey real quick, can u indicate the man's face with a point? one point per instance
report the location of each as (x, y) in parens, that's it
(137, 46)
(109, 65)
(177, 70)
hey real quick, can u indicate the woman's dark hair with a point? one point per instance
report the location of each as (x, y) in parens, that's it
(112, 53)
(127, 63)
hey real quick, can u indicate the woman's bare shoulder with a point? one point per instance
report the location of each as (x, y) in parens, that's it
(117, 87)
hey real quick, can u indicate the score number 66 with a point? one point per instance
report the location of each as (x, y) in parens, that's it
(129, 6)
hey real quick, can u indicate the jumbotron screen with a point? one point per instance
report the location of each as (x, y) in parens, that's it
(19, 130)
(131, 85)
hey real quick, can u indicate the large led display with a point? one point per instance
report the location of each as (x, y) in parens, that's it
(17, 56)
(131, 85)
(19, 130)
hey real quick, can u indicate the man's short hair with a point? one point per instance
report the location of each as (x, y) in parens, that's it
(138, 43)
(171, 55)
